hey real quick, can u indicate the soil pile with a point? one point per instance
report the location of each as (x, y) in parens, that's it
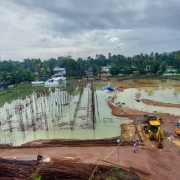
(61, 169)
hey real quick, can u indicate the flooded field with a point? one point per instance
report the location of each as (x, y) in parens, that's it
(60, 114)
(166, 92)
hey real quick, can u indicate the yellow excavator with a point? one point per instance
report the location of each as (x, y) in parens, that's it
(147, 118)
(154, 131)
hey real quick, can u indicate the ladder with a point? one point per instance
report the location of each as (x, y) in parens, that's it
(89, 106)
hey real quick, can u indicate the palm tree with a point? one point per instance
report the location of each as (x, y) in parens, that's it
(177, 61)
(6, 78)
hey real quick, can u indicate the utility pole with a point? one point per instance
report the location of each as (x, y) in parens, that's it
(118, 141)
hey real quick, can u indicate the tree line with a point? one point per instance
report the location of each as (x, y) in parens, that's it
(13, 72)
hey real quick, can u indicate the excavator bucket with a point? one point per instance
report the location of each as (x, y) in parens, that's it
(160, 145)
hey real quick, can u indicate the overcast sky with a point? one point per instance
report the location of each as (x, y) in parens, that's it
(82, 28)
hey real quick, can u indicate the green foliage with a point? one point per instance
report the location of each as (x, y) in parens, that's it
(114, 76)
(95, 69)
(138, 95)
(141, 69)
(178, 71)
(13, 72)
(20, 91)
(127, 70)
(155, 66)
(120, 104)
(117, 172)
(35, 175)
(109, 97)
(114, 70)
(163, 67)
(177, 60)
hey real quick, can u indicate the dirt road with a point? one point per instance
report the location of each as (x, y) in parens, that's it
(161, 164)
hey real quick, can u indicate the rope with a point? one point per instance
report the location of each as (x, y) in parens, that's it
(101, 161)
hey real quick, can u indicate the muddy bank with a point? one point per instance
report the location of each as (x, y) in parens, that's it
(132, 114)
(156, 103)
(124, 112)
(70, 143)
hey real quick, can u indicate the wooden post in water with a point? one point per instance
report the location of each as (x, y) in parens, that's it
(77, 107)
(93, 108)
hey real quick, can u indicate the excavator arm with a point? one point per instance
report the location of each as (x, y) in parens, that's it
(160, 137)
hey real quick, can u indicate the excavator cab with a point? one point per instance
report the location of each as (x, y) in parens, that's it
(153, 129)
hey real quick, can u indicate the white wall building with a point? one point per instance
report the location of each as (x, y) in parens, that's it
(105, 70)
(60, 70)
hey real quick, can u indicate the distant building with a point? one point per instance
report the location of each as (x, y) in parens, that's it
(58, 75)
(105, 70)
(1, 86)
(135, 72)
(133, 66)
(89, 72)
(60, 70)
(171, 71)
(159, 72)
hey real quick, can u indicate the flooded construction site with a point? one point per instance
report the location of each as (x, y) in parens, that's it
(55, 113)
(84, 113)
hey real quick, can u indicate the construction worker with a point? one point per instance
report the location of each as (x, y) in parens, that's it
(136, 146)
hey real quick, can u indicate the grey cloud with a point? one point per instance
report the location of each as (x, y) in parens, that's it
(43, 40)
(109, 14)
(83, 26)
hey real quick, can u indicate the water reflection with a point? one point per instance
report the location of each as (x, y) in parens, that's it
(138, 95)
(150, 92)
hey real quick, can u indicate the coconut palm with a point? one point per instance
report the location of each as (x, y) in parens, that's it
(6, 78)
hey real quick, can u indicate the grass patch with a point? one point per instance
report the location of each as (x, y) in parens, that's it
(114, 76)
(35, 175)
(119, 104)
(109, 97)
(19, 92)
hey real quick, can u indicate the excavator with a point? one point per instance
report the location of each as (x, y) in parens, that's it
(154, 131)
(178, 128)
(147, 118)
